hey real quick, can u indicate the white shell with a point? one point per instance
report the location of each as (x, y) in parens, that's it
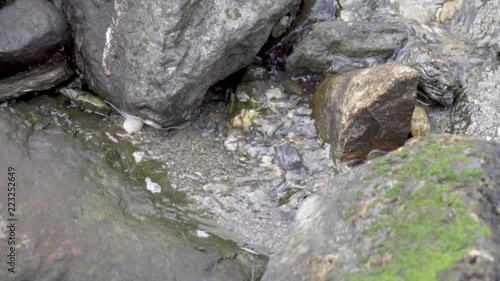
(132, 125)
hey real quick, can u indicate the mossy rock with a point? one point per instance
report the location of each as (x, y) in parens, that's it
(428, 211)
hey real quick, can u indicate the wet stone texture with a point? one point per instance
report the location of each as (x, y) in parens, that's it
(363, 110)
(428, 211)
(250, 181)
(336, 46)
(156, 59)
(86, 208)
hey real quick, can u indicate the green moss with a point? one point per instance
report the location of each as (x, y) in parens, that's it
(430, 228)
(233, 14)
(393, 191)
(351, 212)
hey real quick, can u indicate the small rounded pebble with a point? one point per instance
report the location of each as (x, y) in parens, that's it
(132, 125)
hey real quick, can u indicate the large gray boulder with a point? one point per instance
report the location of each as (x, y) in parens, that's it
(367, 109)
(331, 47)
(426, 212)
(156, 59)
(86, 210)
(30, 32)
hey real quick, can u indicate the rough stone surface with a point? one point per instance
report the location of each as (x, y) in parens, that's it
(156, 59)
(30, 32)
(317, 10)
(483, 104)
(420, 124)
(37, 79)
(362, 110)
(330, 47)
(438, 78)
(85, 212)
(425, 212)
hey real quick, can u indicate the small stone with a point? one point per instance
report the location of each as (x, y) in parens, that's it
(420, 124)
(266, 161)
(132, 125)
(288, 157)
(274, 93)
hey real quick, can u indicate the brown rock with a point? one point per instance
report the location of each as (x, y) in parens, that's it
(420, 124)
(362, 110)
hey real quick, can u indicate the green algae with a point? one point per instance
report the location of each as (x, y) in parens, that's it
(233, 14)
(430, 227)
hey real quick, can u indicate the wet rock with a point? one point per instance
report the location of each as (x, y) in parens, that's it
(132, 125)
(366, 109)
(281, 27)
(37, 79)
(369, 224)
(254, 72)
(287, 157)
(438, 77)
(247, 96)
(317, 10)
(155, 60)
(448, 11)
(481, 111)
(330, 47)
(86, 100)
(420, 124)
(32, 30)
(84, 198)
(475, 22)
(243, 120)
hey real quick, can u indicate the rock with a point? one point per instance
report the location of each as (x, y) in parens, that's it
(425, 212)
(254, 72)
(87, 203)
(317, 10)
(438, 78)
(474, 21)
(481, 110)
(365, 109)
(449, 10)
(244, 119)
(86, 101)
(281, 27)
(156, 59)
(274, 93)
(32, 30)
(41, 78)
(132, 125)
(420, 124)
(330, 47)
(287, 157)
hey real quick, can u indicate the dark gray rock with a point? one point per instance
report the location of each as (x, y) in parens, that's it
(40, 78)
(331, 47)
(287, 157)
(425, 212)
(84, 211)
(30, 32)
(439, 79)
(362, 110)
(156, 59)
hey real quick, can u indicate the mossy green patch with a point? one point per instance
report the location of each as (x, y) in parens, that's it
(430, 227)
(233, 14)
